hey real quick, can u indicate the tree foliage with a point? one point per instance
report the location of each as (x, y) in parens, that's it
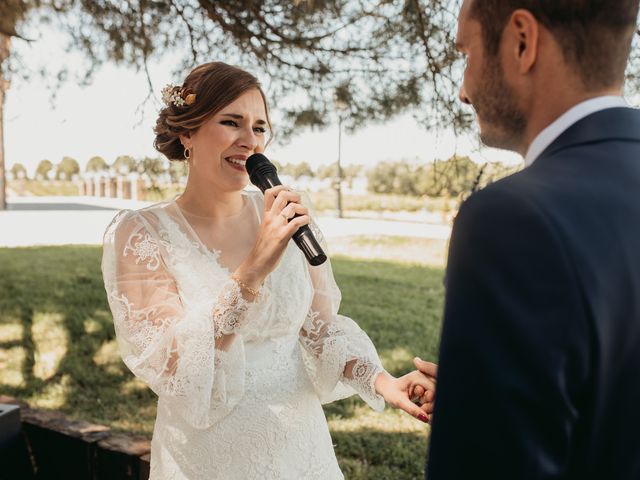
(377, 57)
(329, 170)
(447, 178)
(297, 170)
(67, 168)
(43, 169)
(442, 178)
(97, 164)
(151, 169)
(381, 177)
(178, 171)
(19, 172)
(124, 164)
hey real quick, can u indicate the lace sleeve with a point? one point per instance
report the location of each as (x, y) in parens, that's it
(232, 310)
(168, 344)
(339, 356)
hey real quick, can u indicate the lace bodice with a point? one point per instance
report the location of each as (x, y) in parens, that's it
(185, 329)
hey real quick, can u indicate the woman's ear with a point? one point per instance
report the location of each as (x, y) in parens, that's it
(185, 140)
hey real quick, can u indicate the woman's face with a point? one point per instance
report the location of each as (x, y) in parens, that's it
(221, 146)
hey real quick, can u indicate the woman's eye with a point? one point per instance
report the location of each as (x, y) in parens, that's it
(260, 130)
(229, 122)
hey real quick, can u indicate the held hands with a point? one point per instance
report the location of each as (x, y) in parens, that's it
(399, 392)
(425, 397)
(276, 229)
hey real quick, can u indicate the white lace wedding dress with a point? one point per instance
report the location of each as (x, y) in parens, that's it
(249, 408)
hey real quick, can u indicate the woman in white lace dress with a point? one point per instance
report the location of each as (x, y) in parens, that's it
(221, 315)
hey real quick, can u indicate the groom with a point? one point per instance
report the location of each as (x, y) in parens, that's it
(539, 372)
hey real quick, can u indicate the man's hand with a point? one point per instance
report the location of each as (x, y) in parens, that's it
(425, 397)
(428, 368)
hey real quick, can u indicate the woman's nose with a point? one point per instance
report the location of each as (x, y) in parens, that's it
(248, 139)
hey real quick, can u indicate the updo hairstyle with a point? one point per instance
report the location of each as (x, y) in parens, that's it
(216, 85)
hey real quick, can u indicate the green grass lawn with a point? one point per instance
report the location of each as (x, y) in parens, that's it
(57, 349)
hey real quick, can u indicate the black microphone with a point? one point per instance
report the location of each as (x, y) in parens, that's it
(264, 175)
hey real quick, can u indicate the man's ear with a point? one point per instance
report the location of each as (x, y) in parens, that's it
(523, 33)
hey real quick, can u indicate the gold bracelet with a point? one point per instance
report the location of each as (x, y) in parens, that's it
(253, 292)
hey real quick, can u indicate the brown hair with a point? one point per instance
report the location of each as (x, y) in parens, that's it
(216, 85)
(595, 35)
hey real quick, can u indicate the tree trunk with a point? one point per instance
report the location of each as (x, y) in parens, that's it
(5, 44)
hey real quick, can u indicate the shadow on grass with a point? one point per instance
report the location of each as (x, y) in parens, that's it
(55, 295)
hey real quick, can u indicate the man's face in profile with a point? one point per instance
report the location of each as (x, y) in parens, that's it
(502, 123)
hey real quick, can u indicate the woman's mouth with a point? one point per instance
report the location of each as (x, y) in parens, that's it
(237, 162)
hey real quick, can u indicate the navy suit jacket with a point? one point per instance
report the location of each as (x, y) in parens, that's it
(540, 354)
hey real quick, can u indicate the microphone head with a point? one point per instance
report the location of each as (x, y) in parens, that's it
(258, 160)
(262, 173)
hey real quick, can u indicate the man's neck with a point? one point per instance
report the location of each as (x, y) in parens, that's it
(574, 114)
(545, 113)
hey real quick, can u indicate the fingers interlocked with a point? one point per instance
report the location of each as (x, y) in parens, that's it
(424, 395)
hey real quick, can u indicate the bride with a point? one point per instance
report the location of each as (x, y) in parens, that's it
(221, 315)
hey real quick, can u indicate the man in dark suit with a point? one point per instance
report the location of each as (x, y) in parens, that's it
(539, 374)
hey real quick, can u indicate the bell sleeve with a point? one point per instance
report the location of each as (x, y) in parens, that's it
(185, 351)
(339, 356)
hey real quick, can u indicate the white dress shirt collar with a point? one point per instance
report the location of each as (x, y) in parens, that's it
(564, 121)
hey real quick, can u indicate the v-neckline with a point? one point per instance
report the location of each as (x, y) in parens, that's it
(212, 253)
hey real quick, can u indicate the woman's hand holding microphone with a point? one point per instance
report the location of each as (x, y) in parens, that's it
(276, 229)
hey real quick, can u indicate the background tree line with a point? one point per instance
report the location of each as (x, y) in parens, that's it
(69, 168)
(442, 178)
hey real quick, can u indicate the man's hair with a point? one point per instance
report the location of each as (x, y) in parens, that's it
(594, 35)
